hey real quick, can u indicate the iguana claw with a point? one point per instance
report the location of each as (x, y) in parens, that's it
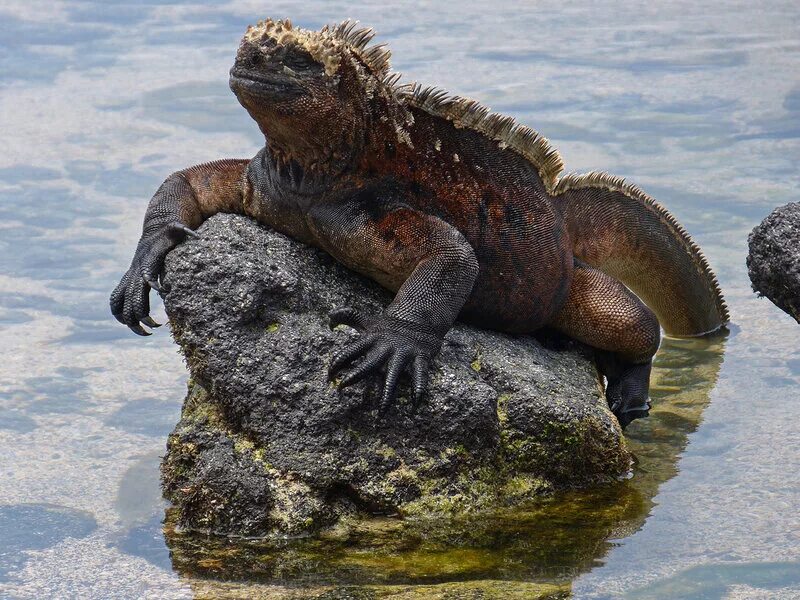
(182, 230)
(150, 322)
(348, 316)
(626, 391)
(349, 353)
(419, 376)
(389, 344)
(139, 330)
(628, 415)
(130, 302)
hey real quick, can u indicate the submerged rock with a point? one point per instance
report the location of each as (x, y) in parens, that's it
(266, 445)
(774, 260)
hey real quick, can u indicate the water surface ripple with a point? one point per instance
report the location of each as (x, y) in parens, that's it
(699, 103)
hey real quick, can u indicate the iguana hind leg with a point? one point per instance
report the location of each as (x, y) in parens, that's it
(603, 313)
(617, 228)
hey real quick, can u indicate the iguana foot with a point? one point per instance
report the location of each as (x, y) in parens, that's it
(130, 300)
(385, 342)
(627, 388)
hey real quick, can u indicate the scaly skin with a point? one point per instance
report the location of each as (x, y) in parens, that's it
(460, 212)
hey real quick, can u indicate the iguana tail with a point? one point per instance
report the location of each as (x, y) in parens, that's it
(618, 229)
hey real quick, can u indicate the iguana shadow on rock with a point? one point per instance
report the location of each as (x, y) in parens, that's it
(460, 211)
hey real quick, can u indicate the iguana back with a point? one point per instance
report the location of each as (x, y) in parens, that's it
(491, 177)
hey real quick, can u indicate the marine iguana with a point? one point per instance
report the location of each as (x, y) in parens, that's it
(460, 211)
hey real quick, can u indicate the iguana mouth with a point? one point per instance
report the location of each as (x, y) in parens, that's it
(259, 83)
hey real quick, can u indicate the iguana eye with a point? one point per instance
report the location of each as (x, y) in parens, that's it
(268, 43)
(299, 60)
(256, 60)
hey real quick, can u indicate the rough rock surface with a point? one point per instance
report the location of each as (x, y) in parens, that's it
(774, 260)
(266, 445)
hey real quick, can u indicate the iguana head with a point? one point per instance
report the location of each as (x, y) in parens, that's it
(310, 91)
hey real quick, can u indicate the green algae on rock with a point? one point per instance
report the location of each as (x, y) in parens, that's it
(266, 445)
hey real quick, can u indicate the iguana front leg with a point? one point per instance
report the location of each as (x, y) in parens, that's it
(180, 205)
(429, 263)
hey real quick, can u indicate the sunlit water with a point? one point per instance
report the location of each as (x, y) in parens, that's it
(699, 104)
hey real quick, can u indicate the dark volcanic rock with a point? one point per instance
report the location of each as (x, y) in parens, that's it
(267, 445)
(774, 259)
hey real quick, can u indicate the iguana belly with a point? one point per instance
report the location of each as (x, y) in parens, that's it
(524, 278)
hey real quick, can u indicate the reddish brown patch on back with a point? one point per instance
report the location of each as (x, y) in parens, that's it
(496, 199)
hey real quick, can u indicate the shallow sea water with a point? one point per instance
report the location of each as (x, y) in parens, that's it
(699, 103)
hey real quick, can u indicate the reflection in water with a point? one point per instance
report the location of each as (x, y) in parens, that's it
(685, 372)
(549, 543)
